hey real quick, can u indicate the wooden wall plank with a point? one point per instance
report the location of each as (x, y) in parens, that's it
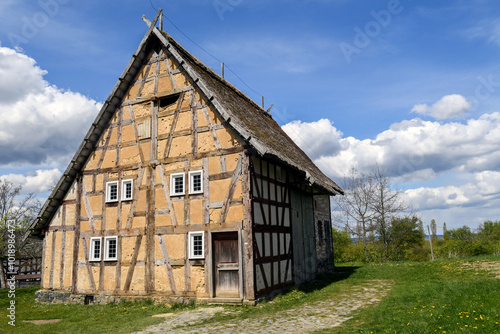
(150, 230)
(131, 267)
(206, 198)
(87, 264)
(166, 191)
(168, 267)
(52, 259)
(63, 246)
(248, 234)
(134, 126)
(230, 191)
(88, 209)
(134, 199)
(211, 128)
(76, 241)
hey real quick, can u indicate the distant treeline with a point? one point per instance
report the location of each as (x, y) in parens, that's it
(406, 240)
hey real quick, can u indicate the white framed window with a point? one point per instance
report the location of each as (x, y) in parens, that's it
(196, 182)
(196, 245)
(112, 191)
(177, 184)
(110, 248)
(127, 189)
(95, 249)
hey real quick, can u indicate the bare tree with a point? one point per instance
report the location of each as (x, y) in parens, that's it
(15, 216)
(386, 203)
(354, 206)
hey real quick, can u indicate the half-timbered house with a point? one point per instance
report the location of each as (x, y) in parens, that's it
(183, 188)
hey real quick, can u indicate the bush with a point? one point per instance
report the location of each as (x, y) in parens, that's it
(418, 254)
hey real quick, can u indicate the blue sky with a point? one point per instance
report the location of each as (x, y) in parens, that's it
(413, 86)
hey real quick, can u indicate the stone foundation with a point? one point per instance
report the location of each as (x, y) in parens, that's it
(61, 297)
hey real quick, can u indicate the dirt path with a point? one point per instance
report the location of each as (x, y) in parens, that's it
(308, 318)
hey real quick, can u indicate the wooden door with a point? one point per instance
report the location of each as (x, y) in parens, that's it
(226, 264)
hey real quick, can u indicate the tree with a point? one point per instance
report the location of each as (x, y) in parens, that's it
(369, 205)
(387, 204)
(353, 209)
(433, 230)
(404, 233)
(463, 233)
(445, 231)
(489, 230)
(16, 214)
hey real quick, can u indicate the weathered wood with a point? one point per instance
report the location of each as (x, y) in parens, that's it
(230, 191)
(166, 191)
(141, 87)
(88, 209)
(154, 131)
(118, 136)
(132, 232)
(104, 148)
(87, 264)
(223, 164)
(150, 229)
(118, 272)
(157, 72)
(168, 267)
(136, 133)
(206, 200)
(134, 199)
(187, 200)
(173, 125)
(211, 127)
(61, 228)
(170, 74)
(63, 246)
(76, 240)
(131, 267)
(248, 234)
(180, 229)
(52, 260)
(194, 122)
(187, 266)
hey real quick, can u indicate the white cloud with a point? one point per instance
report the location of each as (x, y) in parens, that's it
(319, 138)
(19, 76)
(36, 182)
(483, 189)
(412, 150)
(449, 106)
(40, 123)
(417, 151)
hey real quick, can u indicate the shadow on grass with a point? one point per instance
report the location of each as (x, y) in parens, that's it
(323, 280)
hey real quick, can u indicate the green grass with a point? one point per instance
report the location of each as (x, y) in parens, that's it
(112, 318)
(444, 296)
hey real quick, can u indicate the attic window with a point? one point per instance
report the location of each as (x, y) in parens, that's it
(168, 100)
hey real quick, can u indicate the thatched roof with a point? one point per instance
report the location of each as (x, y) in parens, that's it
(244, 116)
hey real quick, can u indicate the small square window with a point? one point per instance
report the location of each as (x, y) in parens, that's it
(177, 184)
(110, 248)
(196, 182)
(127, 189)
(95, 249)
(196, 245)
(112, 191)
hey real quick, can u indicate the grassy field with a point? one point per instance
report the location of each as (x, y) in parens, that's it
(444, 296)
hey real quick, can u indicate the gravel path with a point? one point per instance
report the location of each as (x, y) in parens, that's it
(309, 317)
